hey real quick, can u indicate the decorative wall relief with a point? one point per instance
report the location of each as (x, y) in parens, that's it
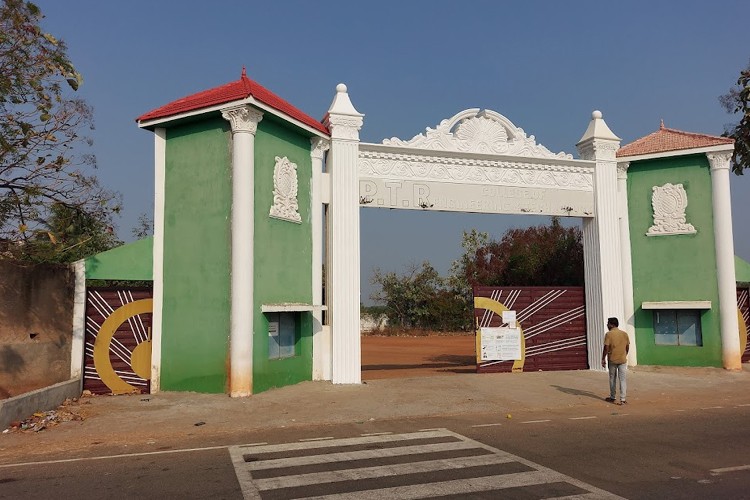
(478, 131)
(285, 191)
(669, 203)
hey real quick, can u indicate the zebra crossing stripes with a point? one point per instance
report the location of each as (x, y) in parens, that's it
(425, 464)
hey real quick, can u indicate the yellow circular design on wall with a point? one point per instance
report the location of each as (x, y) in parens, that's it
(498, 308)
(140, 359)
(743, 331)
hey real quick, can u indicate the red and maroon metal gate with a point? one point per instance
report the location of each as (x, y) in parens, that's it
(743, 305)
(552, 322)
(118, 340)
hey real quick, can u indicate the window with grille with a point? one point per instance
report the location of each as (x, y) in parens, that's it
(282, 335)
(680, 327)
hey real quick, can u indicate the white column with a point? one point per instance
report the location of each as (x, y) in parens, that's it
(321, 341)
(79, 320)
(344, 122)
(244, 120)
(160, 165)
(731, 356)
(602, 267)
(628, 323)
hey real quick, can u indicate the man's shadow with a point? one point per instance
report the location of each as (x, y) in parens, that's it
(577, 392)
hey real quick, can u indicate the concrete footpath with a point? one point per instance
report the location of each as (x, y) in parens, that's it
(114, 424)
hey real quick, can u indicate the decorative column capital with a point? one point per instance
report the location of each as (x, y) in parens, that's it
(622, 169)
(318, 148)
(719, 160)
(243, 118)
(598, 149)
(343, 119)
(344, 127)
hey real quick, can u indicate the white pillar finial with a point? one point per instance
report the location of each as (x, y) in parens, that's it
(598, 137)
(343, 119)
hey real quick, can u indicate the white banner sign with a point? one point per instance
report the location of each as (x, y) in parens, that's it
(500, 344)
(476, 198)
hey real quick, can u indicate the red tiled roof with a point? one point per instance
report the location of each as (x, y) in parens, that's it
(669, 139)
(233, 91)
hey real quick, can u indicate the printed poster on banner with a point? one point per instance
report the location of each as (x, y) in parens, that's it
(500, 344)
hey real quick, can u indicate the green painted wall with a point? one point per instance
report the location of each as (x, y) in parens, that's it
(679, 267)
(741, 270)
(133, 261)
(283, 255)
(195, 328)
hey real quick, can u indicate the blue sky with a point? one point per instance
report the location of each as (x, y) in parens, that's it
(408, 65)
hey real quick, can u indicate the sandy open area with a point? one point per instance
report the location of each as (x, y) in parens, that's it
(400, 357)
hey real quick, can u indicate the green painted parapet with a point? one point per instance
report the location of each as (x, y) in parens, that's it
(132, 262)
(741, 271)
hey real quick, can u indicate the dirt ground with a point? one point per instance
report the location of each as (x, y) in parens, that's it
(424, 356)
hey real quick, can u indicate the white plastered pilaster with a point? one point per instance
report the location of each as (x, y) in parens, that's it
(321, 369)
(79, 319)
(628, 321)
(160, 164)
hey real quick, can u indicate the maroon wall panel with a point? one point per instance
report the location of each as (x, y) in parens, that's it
(553, 322)
(743, 304)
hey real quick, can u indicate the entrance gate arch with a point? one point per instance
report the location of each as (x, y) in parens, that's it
(476, 161)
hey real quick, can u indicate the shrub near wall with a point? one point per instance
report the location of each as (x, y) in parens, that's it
(36, 325)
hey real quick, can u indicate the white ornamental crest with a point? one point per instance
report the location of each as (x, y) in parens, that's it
(478, 131)
(285, 191)
(669, 203)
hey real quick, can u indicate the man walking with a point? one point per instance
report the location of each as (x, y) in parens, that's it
(616, 347)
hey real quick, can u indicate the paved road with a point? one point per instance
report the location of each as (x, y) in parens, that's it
(601, 452)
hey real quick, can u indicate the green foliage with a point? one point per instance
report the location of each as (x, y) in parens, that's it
(462, 274)
(737, 101)
(68, 235)
(144, 229)
(535, 256)
(373, 311)
(44, 163)
(419, 299)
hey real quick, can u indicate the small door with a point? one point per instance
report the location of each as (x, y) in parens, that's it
(117, 356)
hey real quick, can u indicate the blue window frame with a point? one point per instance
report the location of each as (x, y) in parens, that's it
(282, 335)
(681, 327)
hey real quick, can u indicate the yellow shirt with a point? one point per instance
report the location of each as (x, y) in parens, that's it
(617, 342)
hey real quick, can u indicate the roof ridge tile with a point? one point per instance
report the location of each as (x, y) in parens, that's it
(228, 92)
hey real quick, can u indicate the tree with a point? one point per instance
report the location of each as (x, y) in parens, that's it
(462, 273)
(69, 234)
(407, 297)
(45, 168)
(145, 227)
(737, 101)
(420, 298)
(535, 256)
